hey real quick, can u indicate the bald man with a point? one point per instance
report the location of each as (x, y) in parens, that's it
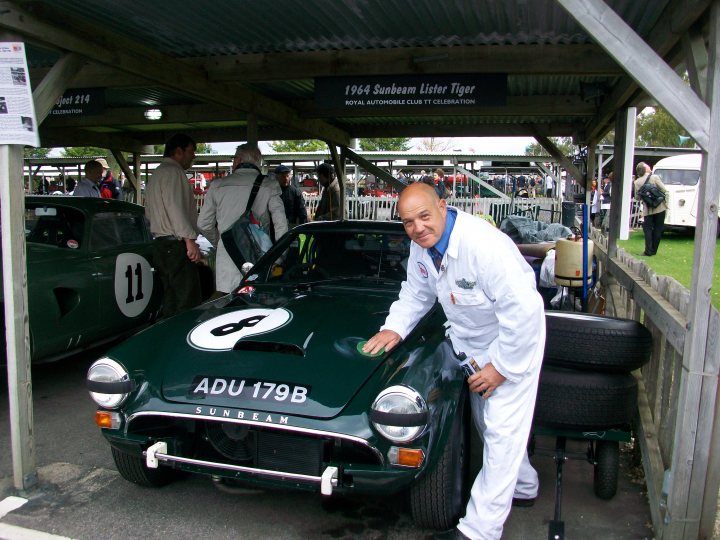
(487, 291)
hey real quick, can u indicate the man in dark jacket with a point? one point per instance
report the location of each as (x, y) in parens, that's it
(291, 196)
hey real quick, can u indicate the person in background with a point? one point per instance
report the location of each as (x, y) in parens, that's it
(496, 316)
(440, 187)
(70, 184)
(594, 204)
(291, 196)
(653, 218)
(227, 199)
(549, 185)
(329, 206)
(89, 185)
(172, 212)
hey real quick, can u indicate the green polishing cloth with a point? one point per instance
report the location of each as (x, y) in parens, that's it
(362, 344)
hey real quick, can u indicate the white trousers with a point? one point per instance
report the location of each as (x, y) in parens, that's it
(503, 422)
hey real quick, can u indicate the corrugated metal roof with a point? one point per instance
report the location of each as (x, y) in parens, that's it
(222, 27)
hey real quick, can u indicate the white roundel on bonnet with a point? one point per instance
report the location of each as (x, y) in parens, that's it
(133, 283)
(222, 332)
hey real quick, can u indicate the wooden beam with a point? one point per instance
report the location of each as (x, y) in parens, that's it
(621, 198)
(699, 380)
(374, 169)
(553, 150)
(129, 56)
(17, 330)
(662, 38)
(339, 162)
(54, 84)
(580, 59)
(643, 64)
(57, 137)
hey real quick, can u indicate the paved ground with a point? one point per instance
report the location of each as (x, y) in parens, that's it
(81, 496)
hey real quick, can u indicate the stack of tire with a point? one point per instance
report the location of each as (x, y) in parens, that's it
(586, 382)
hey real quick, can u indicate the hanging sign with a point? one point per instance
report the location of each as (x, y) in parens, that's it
(465, 90)
(17, 110)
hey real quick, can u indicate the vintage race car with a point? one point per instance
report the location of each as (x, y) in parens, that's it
(268, 386)
(90, 277)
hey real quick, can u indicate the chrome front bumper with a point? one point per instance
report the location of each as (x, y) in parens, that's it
(158, 452)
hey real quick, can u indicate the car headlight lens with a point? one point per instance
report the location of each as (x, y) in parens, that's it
(399, 414)
(109, 383)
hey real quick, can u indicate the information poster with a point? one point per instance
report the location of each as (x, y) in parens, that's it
(17, 110)
(411, 91)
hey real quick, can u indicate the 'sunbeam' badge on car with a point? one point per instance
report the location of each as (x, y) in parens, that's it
(222, 332)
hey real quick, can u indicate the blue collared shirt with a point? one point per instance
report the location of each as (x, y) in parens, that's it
(442, 244)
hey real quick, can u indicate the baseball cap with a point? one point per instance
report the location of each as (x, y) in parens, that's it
(103, 162)
(280, 169)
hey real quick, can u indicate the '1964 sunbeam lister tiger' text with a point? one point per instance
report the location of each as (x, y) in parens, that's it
(269, 385)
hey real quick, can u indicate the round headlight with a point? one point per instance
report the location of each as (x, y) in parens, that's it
(108, 383)
(399, 414)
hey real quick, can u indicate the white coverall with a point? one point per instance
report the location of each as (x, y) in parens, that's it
(487, 291)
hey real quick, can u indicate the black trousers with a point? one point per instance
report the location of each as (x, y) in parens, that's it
(653, 226)
(179, 276)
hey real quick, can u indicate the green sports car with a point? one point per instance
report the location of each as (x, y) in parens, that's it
(268, 386)
(89, 269)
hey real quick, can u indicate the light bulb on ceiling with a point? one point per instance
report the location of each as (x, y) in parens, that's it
(153, 114)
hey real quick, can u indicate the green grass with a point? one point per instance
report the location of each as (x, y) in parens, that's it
(674, 258)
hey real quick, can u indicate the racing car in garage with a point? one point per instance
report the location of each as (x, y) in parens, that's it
(268, 386)
(90, 278)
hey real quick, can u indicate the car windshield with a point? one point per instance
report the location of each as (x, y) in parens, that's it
(678, 177)
(332, 256)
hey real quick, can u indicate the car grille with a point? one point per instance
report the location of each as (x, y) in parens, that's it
(254, 446)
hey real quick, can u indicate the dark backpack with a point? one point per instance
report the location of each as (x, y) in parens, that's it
(651, 195)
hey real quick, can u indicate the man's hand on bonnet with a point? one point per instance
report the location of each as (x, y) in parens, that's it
(384, 338)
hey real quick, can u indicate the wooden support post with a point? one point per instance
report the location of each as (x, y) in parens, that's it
(622, 169)
(590, 172)
(692, 487)
(17, 331)
(339, 163)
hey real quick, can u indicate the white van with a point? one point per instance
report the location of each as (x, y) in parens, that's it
(681, 176)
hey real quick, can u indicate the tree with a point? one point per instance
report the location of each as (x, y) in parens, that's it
(32, 152)
(200, 148)
(655, 127)
(564, 144)
(434, 144)
(308, 145)
(392, 144)
(84, 151)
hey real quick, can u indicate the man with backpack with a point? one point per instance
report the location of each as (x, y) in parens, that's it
(653, 218)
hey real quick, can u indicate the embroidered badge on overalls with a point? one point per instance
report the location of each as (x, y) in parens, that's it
(464, 284)
(423, 270)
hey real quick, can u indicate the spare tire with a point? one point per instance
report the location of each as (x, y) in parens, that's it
(581, 400)
(595, 342)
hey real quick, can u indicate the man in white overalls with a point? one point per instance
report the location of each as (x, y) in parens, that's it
(487, 291)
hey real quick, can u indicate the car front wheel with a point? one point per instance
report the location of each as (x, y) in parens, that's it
(438, 499)
(133, 469)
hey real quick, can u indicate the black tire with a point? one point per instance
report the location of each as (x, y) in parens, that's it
(133, 469)
(585, 401)
(607, 465)
(437, 500)
(595, 343)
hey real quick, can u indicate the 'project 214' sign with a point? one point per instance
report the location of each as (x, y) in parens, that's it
(80, 101)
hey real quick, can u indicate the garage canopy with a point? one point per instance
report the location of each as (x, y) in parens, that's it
(231, 70)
